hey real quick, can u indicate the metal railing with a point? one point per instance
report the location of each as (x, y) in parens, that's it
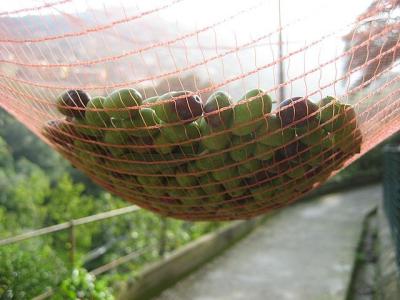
(71, 225)
(391, 187)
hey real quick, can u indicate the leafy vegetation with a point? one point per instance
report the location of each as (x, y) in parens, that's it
(39, 188)
(82, 285)
(28, 269)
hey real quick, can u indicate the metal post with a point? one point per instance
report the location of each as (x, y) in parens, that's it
(163, 236)
(280, 54)
(391, 189)
(72, 241)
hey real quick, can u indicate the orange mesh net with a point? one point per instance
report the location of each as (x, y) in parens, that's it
(179, 107)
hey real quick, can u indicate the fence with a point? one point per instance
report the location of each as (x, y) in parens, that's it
(392, 193)
(71, 227)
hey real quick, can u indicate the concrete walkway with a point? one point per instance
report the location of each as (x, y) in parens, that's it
(307, 251)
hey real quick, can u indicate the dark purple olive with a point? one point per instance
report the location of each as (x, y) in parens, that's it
(178, 106)
(291, 150)
(72, 103)
(259, 178)
(295, 109)
(278, 165)
(189, 108)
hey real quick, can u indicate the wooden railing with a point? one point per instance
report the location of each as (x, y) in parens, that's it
(71, 226)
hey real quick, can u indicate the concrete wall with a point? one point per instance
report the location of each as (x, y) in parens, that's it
(164, 273)
(388, 277)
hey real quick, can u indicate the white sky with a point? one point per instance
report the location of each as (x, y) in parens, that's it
(342, 11)
(318, 17)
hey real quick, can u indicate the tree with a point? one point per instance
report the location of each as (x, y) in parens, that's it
(20, 143)
(377, 54)
(28, 269)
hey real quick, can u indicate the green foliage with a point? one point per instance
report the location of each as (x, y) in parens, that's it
(68, 201)
(22, 144)
(38, 189)
(82, 285)
(28, 269)
(6, 159)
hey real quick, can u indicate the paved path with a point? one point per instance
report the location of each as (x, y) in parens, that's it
(305, 252)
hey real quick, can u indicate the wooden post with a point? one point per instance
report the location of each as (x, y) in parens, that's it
(72, 241)
(163, 236)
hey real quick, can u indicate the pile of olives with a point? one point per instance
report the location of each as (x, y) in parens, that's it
(217, 160)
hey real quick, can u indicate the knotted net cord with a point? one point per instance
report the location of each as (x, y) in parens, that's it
(204, 159)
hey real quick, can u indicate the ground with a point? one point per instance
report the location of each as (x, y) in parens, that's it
(306, 251)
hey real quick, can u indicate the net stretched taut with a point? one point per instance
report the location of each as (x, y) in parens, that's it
(201, 110)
